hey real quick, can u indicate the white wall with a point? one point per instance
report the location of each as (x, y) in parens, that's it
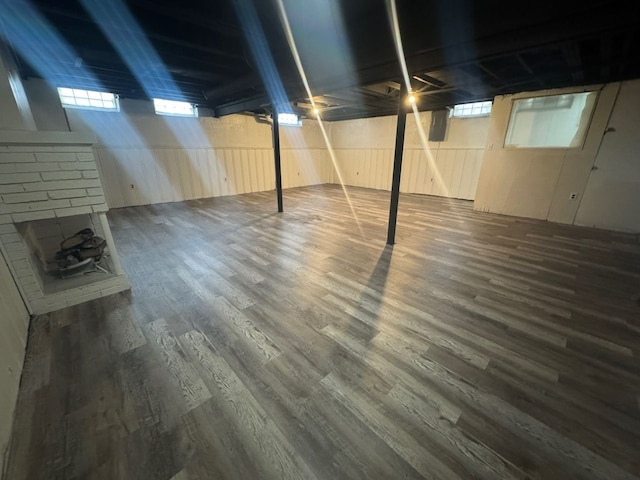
(364, 154)
(15, 113)
(14, 323)
(611, 197)
(146, 158)
(538, 182)
(173, 159)
(45, 106)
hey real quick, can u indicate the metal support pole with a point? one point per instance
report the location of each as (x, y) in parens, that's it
(276, 156)
(397, 165)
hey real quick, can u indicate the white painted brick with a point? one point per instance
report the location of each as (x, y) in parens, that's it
(85, 157)
(11, 188)
(74, 149)
(32, 288)
(74, 193)
(21, 264)
(28, 167)
(92, 288)
(90, 174)
(8, 228)
(100, 208)
(69, 165)
(30, 148)
(77, 166)
(14, 246)
(38, 307)
(28, 277)
(33, 294)
(23, 272)
(41, 167)
(5, 219)
(17, 255)
(10, 238)
(33, 299)
(19, 178)
(51, 302)
(17, 157)
(61, 175)
(37, 295)
(62, 185)
(34, 206)
(66, 212)
(24, 197)
(95, 191)
(16, 252)
(10, 167)
(77, 202)
(31, 216)
(55, 157)
(121, 284)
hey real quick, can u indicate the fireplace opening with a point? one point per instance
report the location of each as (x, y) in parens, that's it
(67, 252)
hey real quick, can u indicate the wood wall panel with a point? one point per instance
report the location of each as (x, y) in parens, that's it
(160, 175)
(450, 172)
(14, 324)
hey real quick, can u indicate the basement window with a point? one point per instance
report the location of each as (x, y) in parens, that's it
(289, 120)
(475, 109)
(172, 107)
(554, 121)
(89, 99)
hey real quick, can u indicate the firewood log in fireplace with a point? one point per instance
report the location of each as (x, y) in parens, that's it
(80, 253)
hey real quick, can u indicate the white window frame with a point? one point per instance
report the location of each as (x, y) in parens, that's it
(88, 99)
(552, 103)
(287, 120)
(472, 109)
(162, 106)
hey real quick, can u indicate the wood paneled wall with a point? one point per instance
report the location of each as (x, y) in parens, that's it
(140, 176)
(446, 172)
(14, 324)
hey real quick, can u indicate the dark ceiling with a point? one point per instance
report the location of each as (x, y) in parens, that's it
(233, 56)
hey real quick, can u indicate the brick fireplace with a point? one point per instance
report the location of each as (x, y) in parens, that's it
(49, 189)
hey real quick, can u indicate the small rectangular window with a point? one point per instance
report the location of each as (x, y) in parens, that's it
(476, 109)
(77, 98)
(289, 119)
(554, 121)
(172, 107)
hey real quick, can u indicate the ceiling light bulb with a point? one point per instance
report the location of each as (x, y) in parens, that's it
(412, 98)
(316, 111)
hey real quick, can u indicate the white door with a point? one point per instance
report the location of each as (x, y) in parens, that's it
(611, 199)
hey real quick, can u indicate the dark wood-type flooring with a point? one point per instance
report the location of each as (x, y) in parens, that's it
(257, 345)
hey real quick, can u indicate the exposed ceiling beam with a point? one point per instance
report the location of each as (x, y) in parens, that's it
(245, 105)
(182, 14)
(249, 81)
(152, 35)
(435, 91)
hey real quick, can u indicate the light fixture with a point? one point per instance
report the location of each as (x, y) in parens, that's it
(412, 98)
(316, 111)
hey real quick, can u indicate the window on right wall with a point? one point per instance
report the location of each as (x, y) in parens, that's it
(554, 121)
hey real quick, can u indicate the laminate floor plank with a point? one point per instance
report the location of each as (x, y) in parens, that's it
(299, 345)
